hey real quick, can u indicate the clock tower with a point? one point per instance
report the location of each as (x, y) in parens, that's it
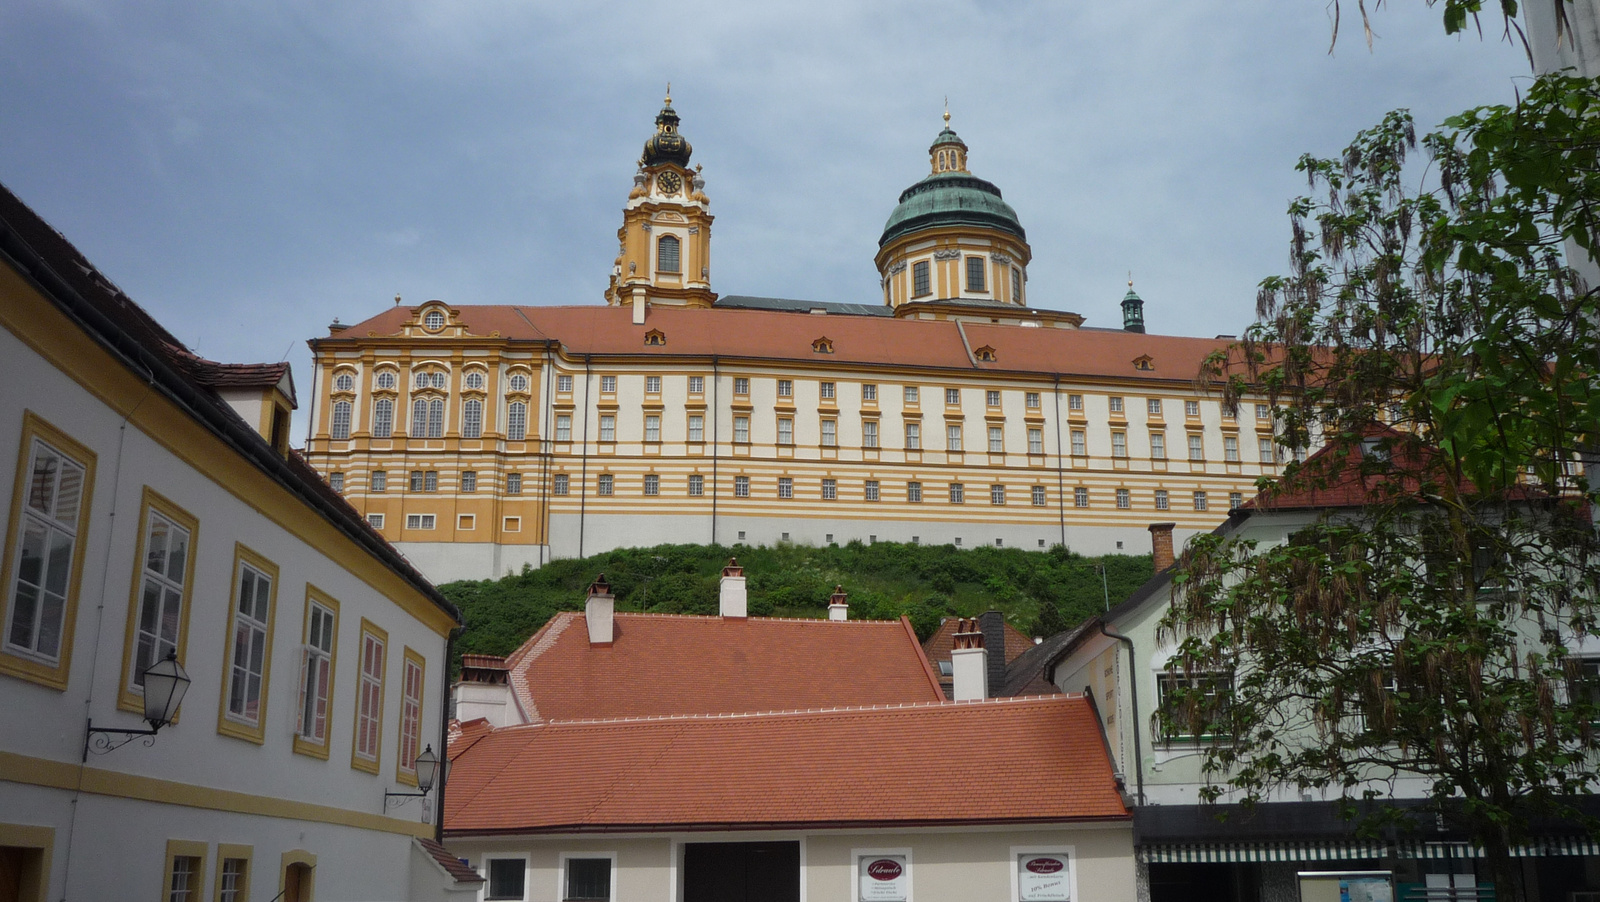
(665, 239)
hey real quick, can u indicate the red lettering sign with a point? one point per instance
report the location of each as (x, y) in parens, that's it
(1045, 865)
(884, 869)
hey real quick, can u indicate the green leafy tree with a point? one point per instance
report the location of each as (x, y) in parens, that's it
(1435, 338)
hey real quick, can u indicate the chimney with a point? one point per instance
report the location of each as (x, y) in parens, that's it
(1161, 545)
(993, 626)
(838, 606)
(735, 604)
(484, 690)
(969, 663)
(600, 611)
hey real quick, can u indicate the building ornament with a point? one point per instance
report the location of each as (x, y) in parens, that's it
(645, 225)
(694, 230)
(898, 268)
(1002, 259)
(946, 254)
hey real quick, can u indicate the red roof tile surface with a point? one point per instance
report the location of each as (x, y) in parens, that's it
(666, 664)
(1033, 760)
(452, 865)
(463, 736)
(938, 646)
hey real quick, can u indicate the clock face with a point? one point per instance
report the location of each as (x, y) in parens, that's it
(669, 182)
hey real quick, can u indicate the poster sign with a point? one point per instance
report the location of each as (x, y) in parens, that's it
(883, 878)
(1365, 889)
(1043, 878)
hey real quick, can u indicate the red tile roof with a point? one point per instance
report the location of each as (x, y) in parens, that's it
(452, 865)
(1001, 761)
(938, 646)
(463, 736)
(857, 340)
(665, 664)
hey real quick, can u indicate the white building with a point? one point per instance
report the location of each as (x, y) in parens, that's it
(153, 508)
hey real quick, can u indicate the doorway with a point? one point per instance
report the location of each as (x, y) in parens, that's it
(21, 874)
(741, 872)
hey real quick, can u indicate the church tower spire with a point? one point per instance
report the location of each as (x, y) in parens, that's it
(665, 239)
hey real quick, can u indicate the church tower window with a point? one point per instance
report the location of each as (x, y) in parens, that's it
(667, 254)
(975, 274)
(920, 284)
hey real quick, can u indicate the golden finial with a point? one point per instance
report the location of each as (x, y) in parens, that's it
(947, 111)
(668, 101)
(1130, 280)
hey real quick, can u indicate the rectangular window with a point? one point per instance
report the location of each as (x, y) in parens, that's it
(506, 878)
(869, 433)
(785, 431)
(913, 436)
(827, 391)
(741, 430)
(652, 484)
(1196, 448)
(952, 437)
(1031, 399)
(606, 485)
(1153, 406)
(419, 521)
(830, 433)
(697, 428)
(164, 564)
(379, 480)
(469, 480)
(233, 880)
(466, 521)
(1075, 402)
(560, 484)
(253, 600)
(741, 386)
(785, 388)
(375, 521)
(997, 494)
(383, 418)
(1037, 495)
(952, 397)
(1234, 500)
(1035, 440)
(564, 427)
(911, 394)
(871, 490)
(652, 385)
(369, 698)
(336, 482)
(697, 484)
(869, 392)
(1268, 455)
(316, 676)
(991, 398)
(697, 385)
(513, 483)
(1119, 444)
(1230, 448)
(914, 492)
(920, 283)
(588, 880)
(1199, 716)
(430, 481)
(1080, 497)
(975, 274)
(411, 684)
(1191, 408)
(341, 420)
(1124, 499)
(785, 487)
(741, 487)
(958, 493)
(1263, 412)
(472, 419)
(1080, 448)
(1161, 499)
(564, 383)
(997, 440)
(830, 490)
(608, 428)
(1016, 284)
(608, 384)
(1158, 446)
(186, 879)
(652, 428)
(1199, 501)
(55, 484)
(1116, 405)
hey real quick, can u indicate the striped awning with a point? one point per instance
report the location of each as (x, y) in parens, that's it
(1230, 852)
(1547, 846)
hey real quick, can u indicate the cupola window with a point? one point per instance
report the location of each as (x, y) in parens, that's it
(655, 338)
(667, 254)
(920, 283)
(975, 281)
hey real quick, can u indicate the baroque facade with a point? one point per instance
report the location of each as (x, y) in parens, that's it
(482, 438)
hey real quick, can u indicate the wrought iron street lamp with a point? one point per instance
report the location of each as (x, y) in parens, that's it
(165, 683)
(427, 766)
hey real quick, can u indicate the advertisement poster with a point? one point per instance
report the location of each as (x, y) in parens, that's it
(883, 878)
(1365, 889)
(1043, 878)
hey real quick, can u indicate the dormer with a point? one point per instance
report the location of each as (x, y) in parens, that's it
(985, 354)
(1144, 363)
(435, 319)
(262, 394)
(823, 345)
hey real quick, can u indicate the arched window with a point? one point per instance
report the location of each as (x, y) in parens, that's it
(667, 254)
(344, 382)
(472, 419)
(419, 418)
(433, 321)
(341, 419)
(383, 418)
(435, 418)
(517, 421)
(474, 380)
(519, 382)
(386, 380)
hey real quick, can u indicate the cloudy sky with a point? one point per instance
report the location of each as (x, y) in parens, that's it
(248, 171)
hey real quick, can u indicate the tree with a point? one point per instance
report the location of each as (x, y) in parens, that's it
(1436, 339)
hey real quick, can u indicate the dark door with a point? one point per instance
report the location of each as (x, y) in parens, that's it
(741, 872)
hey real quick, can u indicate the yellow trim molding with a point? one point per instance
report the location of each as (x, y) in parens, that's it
(199, 850)
(130, 698)
(227, 723)
(403, 774)
(233, 851)
(357, 760)
(302, 745)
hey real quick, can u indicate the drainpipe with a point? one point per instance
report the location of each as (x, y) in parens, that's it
(548, 449)
(583, 492)
(1133, 697)
(1061, 483)
(716, 440)
(444, 738)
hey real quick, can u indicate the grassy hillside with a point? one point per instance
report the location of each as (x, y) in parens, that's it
(1039, 592)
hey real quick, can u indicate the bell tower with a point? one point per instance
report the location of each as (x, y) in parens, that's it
(665, 239)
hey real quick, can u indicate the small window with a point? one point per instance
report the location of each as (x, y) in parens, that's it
(1230, 448)
(588, 879)
(608, 428)
(652, 385)
(607, 483)
(416, 480)
(830, 490)
(369, 696)
(997, 494)
(697, 485)
(1144, 364)
(920, 283)
(785, 487)
(869, 392)
(986, 354)
(517, 421)
(513, 483)
(997, 440)
(830, 433)
(383, 418)
(564, 383)
(1196, 447)
(379, 480)
(667, 254)
(341, 420)
(652, 484)
(1158, 446)
(563, 427)
(914, 493)
(991, 398)
(697, 385)
(652, 428)
(472, 419)
(869, 433)
(785, 388)
(911, 394)
(1199, 501)
(233, 880)
(741, 487)
(655, 338)
(336, 481)
(1268, 454)
(1263, 412)
(1032, 400)
(433, 321)
(952, 397)
(952, 435)
(1191, 408)
(1153, 406)
(1037, 496)
(975, 280)
(1205, 707)
(474, 380)
(1119, 444)
(741, 430)
(741, 385)
(608, 384)
(506, 878)
(344, 382)
(518, 382)
(1161, 499)
(430, 481)
(419, 521)
(1235, 499)
(870, 493)
(1124, 499)
(387, 380)
(316, 671)
(1080, 497)
(913, 436)
(1116, 404)
(958, 493)
(822, 345)
(561, 484)
(1016, 285)
(697, 428)
(1079, 446)
(1075, 402)
(469, 480)
(785, 431)
(511, 524)
(1035, 441)
(827, 391)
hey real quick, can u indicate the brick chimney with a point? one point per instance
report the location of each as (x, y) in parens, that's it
(735, 604)
(838, 606)
(600, 611)
(969, 663)
(484, 690)
(1161, 545)
(993, 626)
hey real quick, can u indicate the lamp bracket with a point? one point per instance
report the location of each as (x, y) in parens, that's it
(100, 739)
(404, 797)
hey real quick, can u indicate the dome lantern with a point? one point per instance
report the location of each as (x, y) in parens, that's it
(666, 146)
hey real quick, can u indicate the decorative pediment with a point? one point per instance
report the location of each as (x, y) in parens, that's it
(1144, 363)
(985, 354)
(655, 338)
(823, 345)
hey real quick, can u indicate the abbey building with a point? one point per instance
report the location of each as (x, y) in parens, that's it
(947, 410)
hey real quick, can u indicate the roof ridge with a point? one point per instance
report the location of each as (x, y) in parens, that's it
(942, 704)
(719, 617)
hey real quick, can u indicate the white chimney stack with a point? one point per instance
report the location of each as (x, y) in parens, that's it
(484, 691)
(838, 607)
(735, 603)
(969, 663)
(600, 612)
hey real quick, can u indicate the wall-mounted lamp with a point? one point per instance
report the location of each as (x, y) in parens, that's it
(427, 765)
(165, 683)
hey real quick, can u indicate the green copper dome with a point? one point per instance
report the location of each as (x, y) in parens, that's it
(951, 199)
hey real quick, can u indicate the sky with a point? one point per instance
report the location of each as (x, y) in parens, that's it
(250, 171)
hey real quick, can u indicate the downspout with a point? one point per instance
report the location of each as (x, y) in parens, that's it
(546, 448)
(583, 491)
(1061, 484)
(1133, 698)
(444, 737)
(716, 410)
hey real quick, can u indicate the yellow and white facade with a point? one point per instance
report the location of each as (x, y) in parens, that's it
(479, 439)
(152, 505)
